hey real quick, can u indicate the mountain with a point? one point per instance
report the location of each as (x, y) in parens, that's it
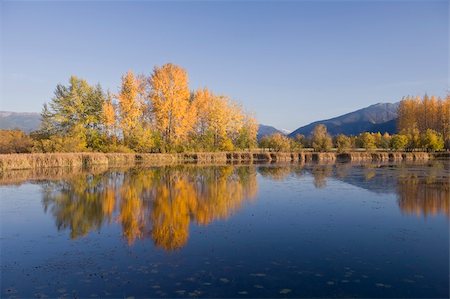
(25, 121)
(381, 117)
(265, 130)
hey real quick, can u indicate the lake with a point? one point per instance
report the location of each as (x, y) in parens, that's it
(293, 230)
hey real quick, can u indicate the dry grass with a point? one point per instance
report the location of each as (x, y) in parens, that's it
(73, 160)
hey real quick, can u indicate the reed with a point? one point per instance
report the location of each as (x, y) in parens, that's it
(73, 160)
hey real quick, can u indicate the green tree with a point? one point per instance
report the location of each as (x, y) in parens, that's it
(343, 143)
(74, 116)
(432, 140)
(399, 142)
(367, 140)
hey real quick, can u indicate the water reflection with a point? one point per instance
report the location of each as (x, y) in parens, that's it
(423, 196)
(161, 202)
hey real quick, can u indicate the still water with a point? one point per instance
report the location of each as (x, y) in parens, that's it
(227, 231)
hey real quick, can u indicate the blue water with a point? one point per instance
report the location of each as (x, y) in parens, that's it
(228, 231)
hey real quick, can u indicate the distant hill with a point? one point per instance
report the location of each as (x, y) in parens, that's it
(380, 117)
(265, 130)
(25, 121)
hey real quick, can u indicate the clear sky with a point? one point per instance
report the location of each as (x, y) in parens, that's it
(289, 62)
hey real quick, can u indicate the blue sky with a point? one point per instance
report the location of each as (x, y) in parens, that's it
(289, 62)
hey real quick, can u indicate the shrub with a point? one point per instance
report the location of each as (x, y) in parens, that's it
(15, 141)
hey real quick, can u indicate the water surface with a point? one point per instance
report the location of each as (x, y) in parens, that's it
(227, 231)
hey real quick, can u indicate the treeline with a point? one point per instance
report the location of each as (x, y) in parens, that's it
(158, 113)
(321, 141)
(423, 124)
(155, 113)
(420, 116)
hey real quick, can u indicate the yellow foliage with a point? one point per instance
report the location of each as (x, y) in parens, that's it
(129, 105)
(170, 102)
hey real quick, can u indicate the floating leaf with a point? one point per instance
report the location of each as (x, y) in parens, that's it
(285, 291)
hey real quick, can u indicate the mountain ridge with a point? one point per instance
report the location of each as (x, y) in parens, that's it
(379, 117)
(25, 121)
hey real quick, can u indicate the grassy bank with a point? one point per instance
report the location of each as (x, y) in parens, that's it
(72, 160)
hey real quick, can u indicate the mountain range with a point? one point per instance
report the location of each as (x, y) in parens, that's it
(25, 121)
(381, 117)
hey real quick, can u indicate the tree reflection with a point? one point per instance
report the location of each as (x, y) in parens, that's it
(320, 174)
(281, 172)
(81, 204)
(158, 202)
(161, 202)
(423, 196)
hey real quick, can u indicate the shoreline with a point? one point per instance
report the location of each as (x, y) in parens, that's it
(51, 160)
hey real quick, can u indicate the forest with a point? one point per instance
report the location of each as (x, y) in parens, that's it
(158, 113)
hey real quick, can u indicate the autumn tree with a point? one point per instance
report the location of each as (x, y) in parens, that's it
(342, 143)
(444, 120)
(109, 117)
(432, 140)
(300, 141)
(247, 133)
(170, 99)
(15, 141)
(148, 114)
(129, 108)
(320, 139)
(276, 142)
(399, 142)
(221, 124)
(417, 115)
(407, 114)
(367, 140)
(385, 141)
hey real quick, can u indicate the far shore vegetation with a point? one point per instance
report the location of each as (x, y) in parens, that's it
(158, 113)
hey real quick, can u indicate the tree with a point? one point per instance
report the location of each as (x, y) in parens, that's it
(385, 142)
(431, 140)
(343, 143)
(416, 116)
(74, 116)
(321, 140)
(276, 142)
(170, 98)
(367, 140)
(148, 114)
(444, 120)
(129, 107)
(407, 114)
(109, 116)
(15, 141)
(399, 142)
(247, 133)
(413, 138)
(300, 141)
